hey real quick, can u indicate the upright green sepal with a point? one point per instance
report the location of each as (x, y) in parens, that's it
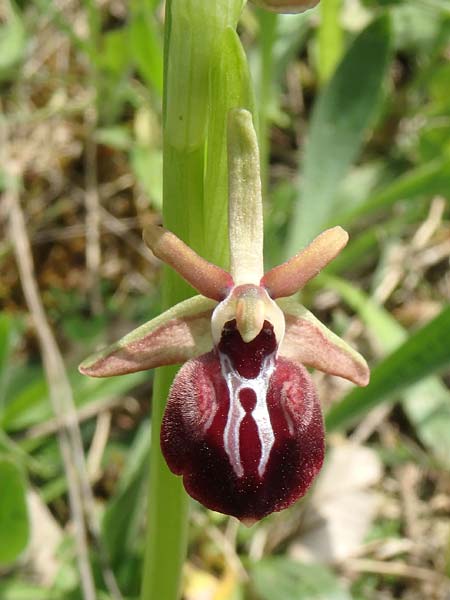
(245, 216)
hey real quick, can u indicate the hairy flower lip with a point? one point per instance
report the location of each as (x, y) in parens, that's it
(194, 425)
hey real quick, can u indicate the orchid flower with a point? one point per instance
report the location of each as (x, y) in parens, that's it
(243, 424)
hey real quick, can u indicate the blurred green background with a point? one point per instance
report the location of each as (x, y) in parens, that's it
(353, 106)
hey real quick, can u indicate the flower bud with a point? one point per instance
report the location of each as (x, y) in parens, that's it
(286, 6)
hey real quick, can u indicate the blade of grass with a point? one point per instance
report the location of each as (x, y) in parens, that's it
(425, 180)
(292, 33)
(146, 45)
(8, 338)
(426, 403)
(122, 517)
(70, 442)
(340, 119)
(14, 523)
(422, 354)
(12, 40)
(330, 37)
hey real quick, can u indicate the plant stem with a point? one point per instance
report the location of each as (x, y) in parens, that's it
(193, 28)
(167, 513)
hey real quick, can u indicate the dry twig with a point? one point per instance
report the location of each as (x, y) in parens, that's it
(223, 542)
(69, 436)
(397, 569)
(89, 411)
(59, 387)
(92, 200)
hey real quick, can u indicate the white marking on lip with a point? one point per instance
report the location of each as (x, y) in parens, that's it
(236, 413)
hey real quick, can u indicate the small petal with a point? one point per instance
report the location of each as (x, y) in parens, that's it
(286, 6)
(208, 279)
(291, 276)
(245, 201)
(179, 334)
(198, 444)
(309, 342)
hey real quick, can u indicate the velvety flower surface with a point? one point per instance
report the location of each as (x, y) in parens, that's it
(252, 440)
(243, 424)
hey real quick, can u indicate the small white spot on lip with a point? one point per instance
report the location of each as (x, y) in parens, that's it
(236, 413)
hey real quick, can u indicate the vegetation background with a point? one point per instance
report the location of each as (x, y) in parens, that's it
(81, 176)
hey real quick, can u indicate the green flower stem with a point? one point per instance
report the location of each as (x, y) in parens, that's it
(194, 29)
(167, 511)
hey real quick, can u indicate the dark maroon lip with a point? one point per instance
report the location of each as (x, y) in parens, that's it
(247, 358)
(275, 450)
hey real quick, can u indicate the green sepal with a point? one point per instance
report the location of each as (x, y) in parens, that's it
(180, 333)
(309, 342)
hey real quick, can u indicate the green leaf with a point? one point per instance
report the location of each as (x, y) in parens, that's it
(146, 46)
(188, 71)
(292, 33)
(28, 400)
(116, 136)
(123, 516)
(12, 41)
(8, 339)
(115, 54)
(229, 88)
(146, 163)
(340, 119)
(29, 404)
(330, 37)
(415, 27)
(18, 590)
(424, 353)
(286, 579)
(425, 180)
(14, 525)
